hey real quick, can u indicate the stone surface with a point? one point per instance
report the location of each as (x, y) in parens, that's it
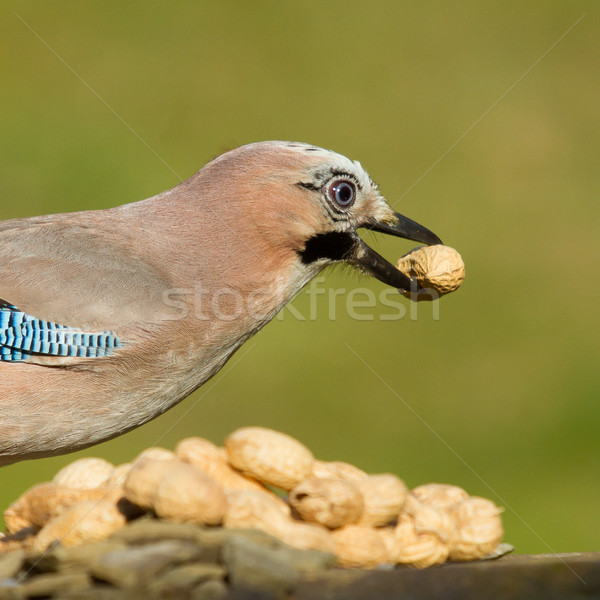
(83, 557)
(303, 561)
(210, 590)
(52, 584)
(147, 531)
(537, 577)
(107, 592)
(185, 577)
(308, 561)
(149, 560)
(252, 565)
(11, 563)
(135, 566)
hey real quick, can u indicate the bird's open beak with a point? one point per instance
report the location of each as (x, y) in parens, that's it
(366, 258)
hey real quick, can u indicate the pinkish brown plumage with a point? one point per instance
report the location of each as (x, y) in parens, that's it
(180, 280)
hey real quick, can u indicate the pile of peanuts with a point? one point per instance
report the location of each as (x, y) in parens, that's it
(365, 520)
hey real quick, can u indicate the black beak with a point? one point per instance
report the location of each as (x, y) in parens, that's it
(366, 258)
(405, 228)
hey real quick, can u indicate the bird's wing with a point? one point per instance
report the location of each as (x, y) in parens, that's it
(69, 282)
(25, 338)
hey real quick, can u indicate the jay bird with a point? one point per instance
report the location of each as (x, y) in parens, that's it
(108, 318)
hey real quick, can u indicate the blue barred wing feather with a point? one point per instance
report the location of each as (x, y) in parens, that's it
(23, 336)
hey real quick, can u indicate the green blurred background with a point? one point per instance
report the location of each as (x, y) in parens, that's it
(480, 120)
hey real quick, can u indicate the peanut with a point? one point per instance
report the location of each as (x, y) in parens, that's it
(438, 270)
(213, 460)
(439, 495)
(88, 521)
(270, 457)
(85, 473)
(384, 496)
(427, 519)
(249, 509)
(478, 529)
(143, 479)
(187, 494)
(44, 501)
(176, 491)
(328, 502)
(359, 546)
(418, 549)
(337, 470)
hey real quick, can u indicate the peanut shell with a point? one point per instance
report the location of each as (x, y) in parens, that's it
(213, 460)
(85, 473)
(390, 541)
(419, 550)
(155, 453)
(478, 529)
(117, 477)
(427, 519)
(359, 546)
(328, 502)
(384, 496)
(438, 270)
(44, 501)
(185, 494)
(337, 470)
(143, 479)
(88, 521)
(439, 495)
(250, 509)
(270, 457)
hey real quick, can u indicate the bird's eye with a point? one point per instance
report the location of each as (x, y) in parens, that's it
(342, 192)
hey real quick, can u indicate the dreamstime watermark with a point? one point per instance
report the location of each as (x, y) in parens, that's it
(358, 303)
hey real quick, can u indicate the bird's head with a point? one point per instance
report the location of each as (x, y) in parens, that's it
(309, 202)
